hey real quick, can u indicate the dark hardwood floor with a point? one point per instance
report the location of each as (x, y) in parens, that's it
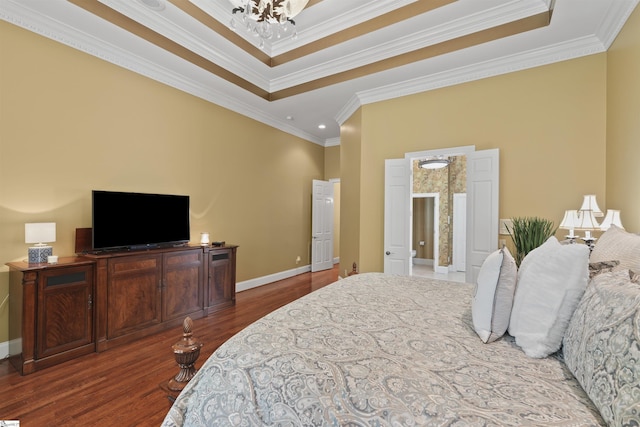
(120, 387)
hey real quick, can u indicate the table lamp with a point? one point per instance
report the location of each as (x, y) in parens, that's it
(40, 233)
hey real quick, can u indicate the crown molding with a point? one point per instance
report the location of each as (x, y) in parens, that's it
(614, 21)
(336, 23)
(332, 142)
(486, 19)
(164, 21)
(13, 11)
(19, 15)
(518, 62)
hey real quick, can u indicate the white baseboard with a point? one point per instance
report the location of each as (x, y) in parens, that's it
(7, 346)
(259, 281)
(4, 350)
(265, 280)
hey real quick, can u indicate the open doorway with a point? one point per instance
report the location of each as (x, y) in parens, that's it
(482, 185)
(448, 183)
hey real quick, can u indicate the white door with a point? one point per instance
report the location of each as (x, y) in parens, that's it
(397, 217)
(322, 226)
(459, 231)
(482, 209)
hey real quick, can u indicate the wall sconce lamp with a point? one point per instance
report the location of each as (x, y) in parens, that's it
(40, 233)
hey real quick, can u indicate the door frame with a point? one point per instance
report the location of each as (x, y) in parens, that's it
(459, 224)
(446, 152)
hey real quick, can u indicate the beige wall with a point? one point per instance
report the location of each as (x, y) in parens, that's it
(70, 123)
(350, 192)
(332, 162)
(548, 122)
(623, 124)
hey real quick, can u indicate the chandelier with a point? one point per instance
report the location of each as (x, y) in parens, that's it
(267, 19)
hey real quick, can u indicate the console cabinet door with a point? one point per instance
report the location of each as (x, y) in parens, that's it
(221, 278)
(134, 294)
(65, 310)
(182, 291)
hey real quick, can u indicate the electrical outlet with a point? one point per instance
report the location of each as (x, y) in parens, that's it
(298, 260)
(504, 223)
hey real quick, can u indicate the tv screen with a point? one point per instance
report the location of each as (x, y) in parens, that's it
(136, 220)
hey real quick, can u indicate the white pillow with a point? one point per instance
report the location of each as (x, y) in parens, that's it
(493, 297)
(551, 281)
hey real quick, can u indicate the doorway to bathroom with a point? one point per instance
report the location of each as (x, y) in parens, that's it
(425, 232)
(438, 219)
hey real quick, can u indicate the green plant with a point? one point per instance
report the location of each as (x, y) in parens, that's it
(528, 233)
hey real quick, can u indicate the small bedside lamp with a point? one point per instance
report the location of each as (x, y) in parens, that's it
(40, 233)
(588, 223)
(612, 218)
(589, 204)
(570, 222)
(204, 239)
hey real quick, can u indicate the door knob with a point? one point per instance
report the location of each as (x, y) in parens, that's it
(388, 253)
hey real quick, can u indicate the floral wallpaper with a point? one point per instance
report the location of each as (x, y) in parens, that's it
(446, 181)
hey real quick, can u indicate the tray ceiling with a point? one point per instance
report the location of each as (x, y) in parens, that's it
(347, 53)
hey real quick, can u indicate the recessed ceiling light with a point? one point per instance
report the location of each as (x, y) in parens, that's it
(322, 126)
(289, 117)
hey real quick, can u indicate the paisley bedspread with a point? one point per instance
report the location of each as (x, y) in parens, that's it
(378, 350)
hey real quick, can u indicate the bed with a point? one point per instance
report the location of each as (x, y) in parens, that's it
(379, 350)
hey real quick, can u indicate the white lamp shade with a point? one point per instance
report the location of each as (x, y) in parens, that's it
(204, 238)
(612, 218)
(570, 221)
(40, 232)
(589, 204)
(587, 221)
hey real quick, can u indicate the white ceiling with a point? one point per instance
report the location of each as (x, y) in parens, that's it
(577, 28)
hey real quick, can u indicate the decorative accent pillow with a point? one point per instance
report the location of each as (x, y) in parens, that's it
(596, 268)
(616, 243)
(602, 347)
(551, 281)
(493, 297)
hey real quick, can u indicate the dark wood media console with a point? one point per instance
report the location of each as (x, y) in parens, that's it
(97, 301)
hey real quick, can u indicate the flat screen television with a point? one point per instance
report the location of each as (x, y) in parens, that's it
(133, 221)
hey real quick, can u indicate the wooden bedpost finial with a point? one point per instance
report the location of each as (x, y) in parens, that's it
(186, 352)
(354, 269)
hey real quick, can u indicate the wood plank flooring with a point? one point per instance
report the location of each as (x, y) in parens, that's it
(120, 387)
